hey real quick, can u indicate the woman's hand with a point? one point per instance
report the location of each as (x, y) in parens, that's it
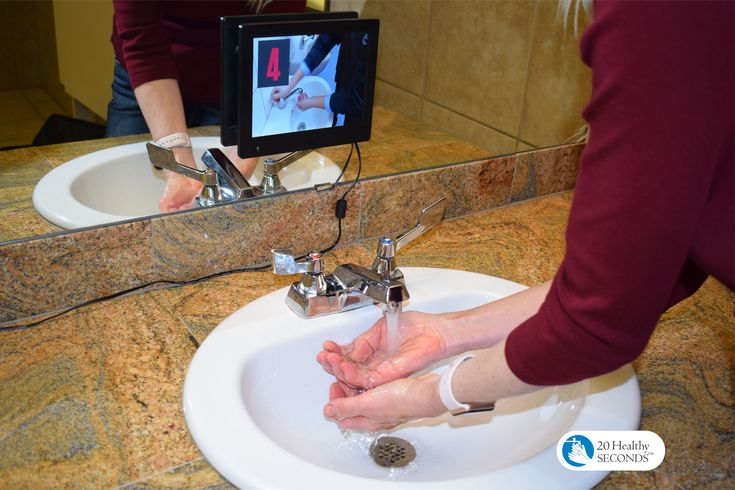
(279, 93)
(179, 192)
(386, 406)
(366, 362)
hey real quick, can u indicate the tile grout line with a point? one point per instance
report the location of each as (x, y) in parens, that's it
(426, 64)
(527, 74)
(504, 133)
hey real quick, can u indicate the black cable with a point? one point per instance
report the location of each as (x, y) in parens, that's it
(253, 268)
(150, 286)
(344, 167)
(359, 170)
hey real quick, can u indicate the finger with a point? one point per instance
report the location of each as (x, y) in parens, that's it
(336, 390)
(367, 343)
(343, 390)
(365, 347)
(346, 407)
(362, 424)
(334, 361)
(354, 376)
(331, 346)
(321, 358)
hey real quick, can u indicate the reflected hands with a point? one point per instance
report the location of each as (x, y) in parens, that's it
(179, 192)
(366, 362)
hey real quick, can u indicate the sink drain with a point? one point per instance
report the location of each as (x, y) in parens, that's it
(392, 452)
(301, 126)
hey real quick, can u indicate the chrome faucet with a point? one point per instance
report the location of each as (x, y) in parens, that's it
(351, 286)
(222, 181)
(271, 184)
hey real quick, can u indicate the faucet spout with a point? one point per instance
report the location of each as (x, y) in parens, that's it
(232, 183)
(363, 281)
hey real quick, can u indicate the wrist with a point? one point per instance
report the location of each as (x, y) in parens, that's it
(454, 332)
(432, 402)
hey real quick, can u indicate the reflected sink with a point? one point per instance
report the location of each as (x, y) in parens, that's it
(119, 183)
(254, 393)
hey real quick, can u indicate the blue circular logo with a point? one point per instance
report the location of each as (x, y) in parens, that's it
(578, 451)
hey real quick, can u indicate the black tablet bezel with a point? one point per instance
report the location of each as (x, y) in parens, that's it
(229, 69)
(247, 146)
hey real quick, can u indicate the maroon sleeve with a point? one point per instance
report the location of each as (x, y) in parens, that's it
(658, 118)
(144, 41)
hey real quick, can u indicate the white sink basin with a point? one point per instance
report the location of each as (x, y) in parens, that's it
(120, 183)
(254, 393)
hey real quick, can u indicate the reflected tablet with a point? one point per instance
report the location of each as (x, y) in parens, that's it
(229, 60)
(305, 85)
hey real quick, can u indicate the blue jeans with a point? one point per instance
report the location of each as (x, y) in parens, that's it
(124, 116)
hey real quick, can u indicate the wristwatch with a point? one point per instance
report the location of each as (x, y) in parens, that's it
(447, 397)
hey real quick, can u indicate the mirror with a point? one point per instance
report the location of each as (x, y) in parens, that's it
(456, 81)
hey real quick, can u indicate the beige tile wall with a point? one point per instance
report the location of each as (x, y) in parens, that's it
(19, 60)
(28, 49)
(504, 75)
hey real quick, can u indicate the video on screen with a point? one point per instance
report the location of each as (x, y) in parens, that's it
(308, 82)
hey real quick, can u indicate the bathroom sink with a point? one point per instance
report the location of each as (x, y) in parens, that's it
(119, 183)
(254, 393)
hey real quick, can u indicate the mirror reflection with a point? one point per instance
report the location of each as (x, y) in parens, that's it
(455, 81)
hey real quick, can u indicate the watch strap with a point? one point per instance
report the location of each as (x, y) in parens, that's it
(175, 140)
(447, 397)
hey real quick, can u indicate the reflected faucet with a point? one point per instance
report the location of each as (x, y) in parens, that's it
(222, 181)
(352, 286)
(271, 183)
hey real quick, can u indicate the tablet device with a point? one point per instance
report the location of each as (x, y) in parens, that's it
(229, 27)
(328, 69)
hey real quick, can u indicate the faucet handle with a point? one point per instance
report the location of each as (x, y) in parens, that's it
(384, 263)
(285, 263)
(161, 157)
(430, 216)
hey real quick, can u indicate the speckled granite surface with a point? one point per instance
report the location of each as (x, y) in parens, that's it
(93, 399)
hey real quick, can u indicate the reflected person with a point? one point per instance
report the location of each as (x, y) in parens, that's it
(348, 97)
(166, 77)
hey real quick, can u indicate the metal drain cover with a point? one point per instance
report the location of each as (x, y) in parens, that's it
(392, 452)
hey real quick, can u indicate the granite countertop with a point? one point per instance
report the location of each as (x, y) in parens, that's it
(397, 144)
(92, 399)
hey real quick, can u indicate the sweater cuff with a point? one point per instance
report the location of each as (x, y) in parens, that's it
(327, 98)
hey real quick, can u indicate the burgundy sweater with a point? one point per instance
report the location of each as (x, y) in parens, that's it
(180, 40)
(654, 208)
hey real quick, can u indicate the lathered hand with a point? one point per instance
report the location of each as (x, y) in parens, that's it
(366, 363)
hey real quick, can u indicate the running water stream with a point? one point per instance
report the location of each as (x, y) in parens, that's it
(392, 312)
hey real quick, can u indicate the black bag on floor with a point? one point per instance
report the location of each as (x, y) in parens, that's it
(65, 129)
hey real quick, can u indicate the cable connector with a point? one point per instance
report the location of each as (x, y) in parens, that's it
(340, 209)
